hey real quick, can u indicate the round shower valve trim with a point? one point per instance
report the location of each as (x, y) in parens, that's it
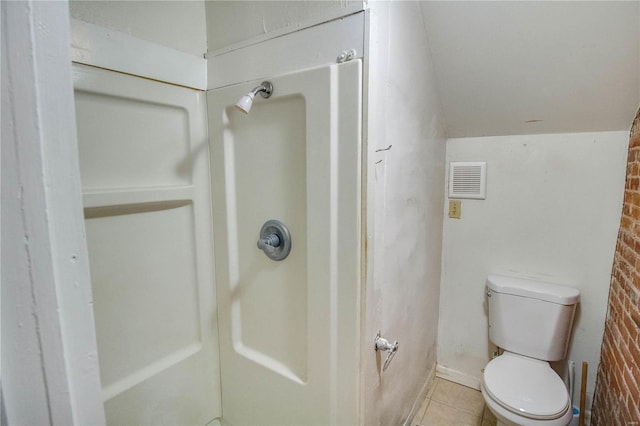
(275, 240)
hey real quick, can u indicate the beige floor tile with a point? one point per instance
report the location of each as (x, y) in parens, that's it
(438, 414)
(433, 387)
(420, 413)
(488, 418)
(425, 403)
(458, 396)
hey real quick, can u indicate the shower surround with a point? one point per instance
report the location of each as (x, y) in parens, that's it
(385, 190)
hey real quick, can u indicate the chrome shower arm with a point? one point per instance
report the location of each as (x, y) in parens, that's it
(265, 89)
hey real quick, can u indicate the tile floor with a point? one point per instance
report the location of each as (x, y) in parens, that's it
(449, 403)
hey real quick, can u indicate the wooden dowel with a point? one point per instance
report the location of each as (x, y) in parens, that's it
(583, 393)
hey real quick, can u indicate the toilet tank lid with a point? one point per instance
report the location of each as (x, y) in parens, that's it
(548, 292)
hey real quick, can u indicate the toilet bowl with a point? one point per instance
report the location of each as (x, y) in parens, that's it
(532, 322)
(525, 391)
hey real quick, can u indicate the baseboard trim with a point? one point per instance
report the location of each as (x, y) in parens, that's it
(457, 377)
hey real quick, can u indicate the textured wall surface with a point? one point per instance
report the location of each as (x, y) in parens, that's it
(179, 25)
(50, 371)
(617, 396)
(233, 22)
(405, 177)
(552, 212)
(535, 67)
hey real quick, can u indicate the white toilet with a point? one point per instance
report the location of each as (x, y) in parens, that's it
(531, 321)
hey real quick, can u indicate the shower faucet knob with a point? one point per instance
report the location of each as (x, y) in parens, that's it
(275, 240)
(269, 242)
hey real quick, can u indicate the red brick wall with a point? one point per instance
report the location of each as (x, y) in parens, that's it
(617, 393)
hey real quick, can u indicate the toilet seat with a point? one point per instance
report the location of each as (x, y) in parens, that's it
(527, 387)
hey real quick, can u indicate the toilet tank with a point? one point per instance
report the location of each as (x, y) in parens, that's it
(531, 318)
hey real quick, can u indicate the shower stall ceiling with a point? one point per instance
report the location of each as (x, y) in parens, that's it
(338, 153)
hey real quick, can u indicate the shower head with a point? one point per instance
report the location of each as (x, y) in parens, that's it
(244, 104)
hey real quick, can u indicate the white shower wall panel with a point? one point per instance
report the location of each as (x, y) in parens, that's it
(145, 181)
(269, 182)
(288, 328)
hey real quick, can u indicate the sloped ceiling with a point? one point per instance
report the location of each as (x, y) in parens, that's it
(527, 67)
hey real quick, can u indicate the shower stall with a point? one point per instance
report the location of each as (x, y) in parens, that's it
(249, 243)
(289, 328)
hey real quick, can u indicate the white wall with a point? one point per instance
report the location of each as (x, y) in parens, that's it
(231, 22)
(552, 212)
(179, 25)
(405, 177)
(49, 356)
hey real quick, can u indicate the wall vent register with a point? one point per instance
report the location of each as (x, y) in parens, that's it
(468, 179)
